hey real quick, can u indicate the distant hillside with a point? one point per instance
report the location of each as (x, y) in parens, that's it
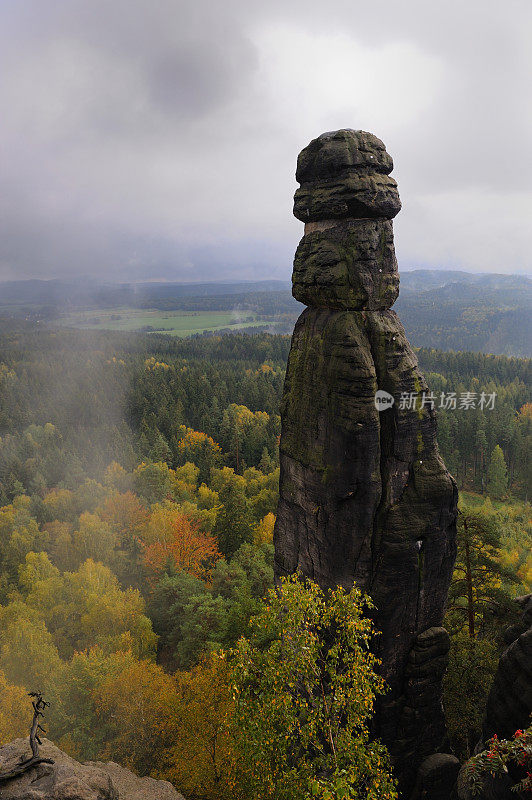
(424, 279)
(484, 313)
(445, 309)
(91, 294)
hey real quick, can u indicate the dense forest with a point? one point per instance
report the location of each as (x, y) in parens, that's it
(122, 397)
(138, 488)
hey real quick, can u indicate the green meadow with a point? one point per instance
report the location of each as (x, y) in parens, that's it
(175, 323)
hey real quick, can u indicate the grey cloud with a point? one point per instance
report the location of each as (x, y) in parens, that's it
(158, 138)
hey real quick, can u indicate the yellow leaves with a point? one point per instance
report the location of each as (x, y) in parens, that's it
(152, 364)
(138, 707)
(195, 439)
(242, 417)
(28, 656)
(203, 754)
(207, 498)
(6, 373)
(36, 568)
(15, 713)
(60, 504)
(266, 368)
(264, 531)
(526, 411)
(187, 475)
(80, 609)
(116, 477)
(283, 707)
(124, 513)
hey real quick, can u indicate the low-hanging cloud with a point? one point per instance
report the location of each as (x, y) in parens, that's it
(158, 138)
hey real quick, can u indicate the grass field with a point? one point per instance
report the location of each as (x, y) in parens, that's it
(175, 323)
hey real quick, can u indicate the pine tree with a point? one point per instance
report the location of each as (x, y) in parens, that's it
(497, 474)
(481, 444)
(234, 524)
(476, 594)
(160, 450)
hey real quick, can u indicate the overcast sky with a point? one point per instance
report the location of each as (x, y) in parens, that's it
(158, 138)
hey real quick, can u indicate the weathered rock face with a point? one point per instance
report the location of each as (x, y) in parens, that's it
(508, 708)
(345, 173)
(510, 699)
(364, 494)
(67, 779)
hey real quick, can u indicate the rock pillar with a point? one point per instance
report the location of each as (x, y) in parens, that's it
(364, 494)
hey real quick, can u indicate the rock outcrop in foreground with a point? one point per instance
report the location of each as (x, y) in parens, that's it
(67, 779)
(509, 705)
(364, 494)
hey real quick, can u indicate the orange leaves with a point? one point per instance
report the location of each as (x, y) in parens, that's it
(526, 411)
(171, 537)
(195, 439)
(124, 513)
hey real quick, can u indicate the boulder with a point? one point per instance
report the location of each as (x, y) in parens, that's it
(436, 777)
(509, 703)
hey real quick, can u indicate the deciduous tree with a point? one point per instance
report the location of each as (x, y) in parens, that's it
(305, 686)
(172, 540)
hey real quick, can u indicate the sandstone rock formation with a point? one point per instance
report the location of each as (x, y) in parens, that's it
(509, 703)
(364, 494)
(67, 779)
(509, 706)
(436, 777)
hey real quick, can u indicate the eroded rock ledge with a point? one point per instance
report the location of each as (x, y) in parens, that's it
(67, 779)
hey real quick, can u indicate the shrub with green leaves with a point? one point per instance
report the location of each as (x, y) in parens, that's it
(304, 683)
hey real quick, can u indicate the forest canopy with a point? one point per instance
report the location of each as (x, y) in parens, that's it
(138, 490)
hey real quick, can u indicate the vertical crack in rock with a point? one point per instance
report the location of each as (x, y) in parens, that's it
(364, 494)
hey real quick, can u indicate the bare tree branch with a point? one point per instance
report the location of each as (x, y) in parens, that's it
(39, 704)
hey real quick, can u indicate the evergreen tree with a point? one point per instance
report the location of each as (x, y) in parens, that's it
(234, 524)
(160, 450)
(476, 594)
(469, 675)
(481, 445)
(497, 474)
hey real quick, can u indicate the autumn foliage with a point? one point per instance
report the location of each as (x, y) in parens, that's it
(172, 539)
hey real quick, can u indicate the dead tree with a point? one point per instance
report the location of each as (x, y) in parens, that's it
(39, 704)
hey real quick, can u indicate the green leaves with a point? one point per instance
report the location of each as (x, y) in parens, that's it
(305, 682)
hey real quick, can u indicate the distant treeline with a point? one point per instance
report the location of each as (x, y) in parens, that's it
(439, 308)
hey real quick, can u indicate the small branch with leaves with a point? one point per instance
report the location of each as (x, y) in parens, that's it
(39, 704)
